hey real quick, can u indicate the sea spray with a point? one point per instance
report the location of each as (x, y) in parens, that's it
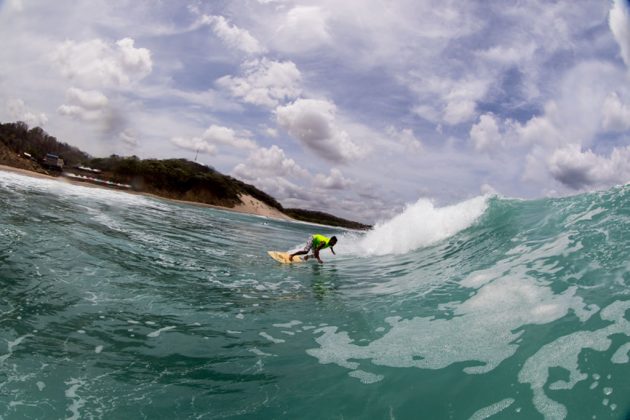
(419, 224)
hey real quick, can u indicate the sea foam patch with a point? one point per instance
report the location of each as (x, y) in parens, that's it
(564, 352)
(486, 326)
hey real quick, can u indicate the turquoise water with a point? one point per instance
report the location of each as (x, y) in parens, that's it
(117, 306)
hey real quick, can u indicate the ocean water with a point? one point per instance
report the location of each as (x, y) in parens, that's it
(119, 306)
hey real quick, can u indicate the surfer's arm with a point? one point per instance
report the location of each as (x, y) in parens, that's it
(316, 254)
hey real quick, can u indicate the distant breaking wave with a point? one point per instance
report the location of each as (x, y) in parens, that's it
(419, 225)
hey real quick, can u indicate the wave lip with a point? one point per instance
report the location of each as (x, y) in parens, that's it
(420, 224)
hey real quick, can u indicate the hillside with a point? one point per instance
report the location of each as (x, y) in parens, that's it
(178, 179)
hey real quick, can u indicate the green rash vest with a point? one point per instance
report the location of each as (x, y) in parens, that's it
(320, 239)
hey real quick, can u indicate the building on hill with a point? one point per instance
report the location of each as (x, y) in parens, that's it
(54, 162)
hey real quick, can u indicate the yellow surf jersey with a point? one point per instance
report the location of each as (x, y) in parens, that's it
(320, 239)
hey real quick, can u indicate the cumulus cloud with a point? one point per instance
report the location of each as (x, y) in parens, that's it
(303, 28)
(18, 111)
(273, 172)
(616, 115)
(485, 134)
(333, 181)
(579, 169)
(265, 82)
(270, 161)
(447, 100)
(87, 105)
(195, 144)
(619, 22)
(313, 123)
(544, 130)
(233, 36)
(213, 136)
(406, 138)
(98, 63)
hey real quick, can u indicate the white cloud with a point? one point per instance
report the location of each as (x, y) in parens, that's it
(15, 5)
(303, 28)
(129, 137)
(273, 172)
(579, 169)
(91, 99)
(447, 100)
(406, 138)
(542, 129)
(485, 134)
(96, 63)
(265, 83)
(213, 136)
(619, 22)
(18, 111)
(270, 131)
(195, 144)
(509, 55)
(270, 161)
(333, 181)
(616, 115)
(233, 36)
(87, 105)
(226, 136)
(313, 123)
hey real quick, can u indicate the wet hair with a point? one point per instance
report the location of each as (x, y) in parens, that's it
(333, 240)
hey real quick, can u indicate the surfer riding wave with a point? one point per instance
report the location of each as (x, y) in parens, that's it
(316, 243)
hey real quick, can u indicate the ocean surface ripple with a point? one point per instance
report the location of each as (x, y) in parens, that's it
(116, 305)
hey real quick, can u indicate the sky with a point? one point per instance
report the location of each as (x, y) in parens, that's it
(356, 108)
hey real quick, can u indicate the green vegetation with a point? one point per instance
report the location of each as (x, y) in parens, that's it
(178, 179)
(323, 218)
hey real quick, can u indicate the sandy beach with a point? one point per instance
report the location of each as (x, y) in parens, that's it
(249, 204)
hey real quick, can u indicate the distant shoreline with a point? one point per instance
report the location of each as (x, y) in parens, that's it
(249, 204)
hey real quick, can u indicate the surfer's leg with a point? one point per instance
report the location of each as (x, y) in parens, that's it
(297, 253)
(307, 248)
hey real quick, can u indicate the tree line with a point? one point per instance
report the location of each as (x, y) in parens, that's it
(170, 178)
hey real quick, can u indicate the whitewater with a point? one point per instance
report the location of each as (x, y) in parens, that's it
(121, 306)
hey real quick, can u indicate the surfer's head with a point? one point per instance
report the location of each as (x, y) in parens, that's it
(333, 241)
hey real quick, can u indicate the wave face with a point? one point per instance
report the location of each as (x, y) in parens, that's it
(119, 306)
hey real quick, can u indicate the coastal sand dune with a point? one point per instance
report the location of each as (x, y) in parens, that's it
(249, 204)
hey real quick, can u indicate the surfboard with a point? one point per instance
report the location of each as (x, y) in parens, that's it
(283, 257)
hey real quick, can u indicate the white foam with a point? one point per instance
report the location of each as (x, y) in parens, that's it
(98, 349)
(158, 332)
(564, 352)
(290, 324)
(270, 338)
(77, 401)
(86, 193)
(258, 352)
(11, 345)
(366, 377)
(487, 326)
(420, 224)
(491, 410)
(621, 355)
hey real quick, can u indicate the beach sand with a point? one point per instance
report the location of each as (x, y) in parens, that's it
(249, 204)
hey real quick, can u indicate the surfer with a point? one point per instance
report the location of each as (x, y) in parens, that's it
(316, 243)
